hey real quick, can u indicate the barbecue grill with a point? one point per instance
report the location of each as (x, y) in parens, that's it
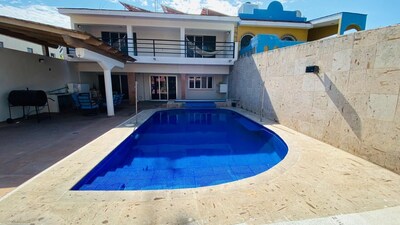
(35, 98)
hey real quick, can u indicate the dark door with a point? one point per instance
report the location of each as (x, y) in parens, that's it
(124, 86)
(171, 87)
(119, 85)
(155, 95)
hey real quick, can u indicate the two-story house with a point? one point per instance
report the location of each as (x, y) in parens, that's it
(179, 56)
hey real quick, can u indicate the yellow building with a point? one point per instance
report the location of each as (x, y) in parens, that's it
(275, 27)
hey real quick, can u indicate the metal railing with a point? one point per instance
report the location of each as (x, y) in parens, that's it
(174, 48)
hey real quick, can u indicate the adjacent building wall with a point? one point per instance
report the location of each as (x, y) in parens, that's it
(20, 70)
(353, 103)
(299, 34)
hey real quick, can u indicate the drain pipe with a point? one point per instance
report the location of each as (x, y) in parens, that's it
(262, 101)
(136, 84)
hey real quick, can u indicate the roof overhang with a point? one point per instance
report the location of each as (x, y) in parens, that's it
(257, 23)
(326, 20)
(52, 36)
(149, 15)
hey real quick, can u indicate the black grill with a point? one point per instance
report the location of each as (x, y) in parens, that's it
(27, 98)
(36, 98)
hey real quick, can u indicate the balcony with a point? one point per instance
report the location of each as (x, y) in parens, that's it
(177, 51)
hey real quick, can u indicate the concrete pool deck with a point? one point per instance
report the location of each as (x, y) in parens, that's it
(315, 182)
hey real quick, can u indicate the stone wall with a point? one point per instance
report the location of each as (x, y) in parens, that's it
(353, 103)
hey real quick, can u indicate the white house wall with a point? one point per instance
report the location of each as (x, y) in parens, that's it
(212, 93)
(145, 22)
(21, 70)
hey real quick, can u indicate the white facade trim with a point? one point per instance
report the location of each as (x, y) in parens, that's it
(327, 20)
(184, 60)
(158, 68)
(275, 24)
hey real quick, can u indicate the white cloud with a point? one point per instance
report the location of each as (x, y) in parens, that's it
(144, 2)
(37, 13)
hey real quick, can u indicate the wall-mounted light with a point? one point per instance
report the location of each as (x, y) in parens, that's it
(41, 60)
(312, 69)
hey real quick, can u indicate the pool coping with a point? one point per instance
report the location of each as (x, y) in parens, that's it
(50, 187)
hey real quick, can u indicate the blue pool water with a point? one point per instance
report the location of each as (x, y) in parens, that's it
(187, 148)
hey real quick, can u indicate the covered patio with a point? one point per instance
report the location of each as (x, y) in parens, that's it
(87, 47)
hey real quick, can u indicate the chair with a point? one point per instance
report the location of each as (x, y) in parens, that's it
(117, 100)
(75, 100)
(87, 104)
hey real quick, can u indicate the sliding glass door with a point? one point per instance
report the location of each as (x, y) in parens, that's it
(163, 87)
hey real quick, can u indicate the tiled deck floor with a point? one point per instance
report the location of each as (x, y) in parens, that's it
(314, 180)
(28, 147)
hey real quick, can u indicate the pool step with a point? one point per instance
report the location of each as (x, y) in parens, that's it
(199, 105)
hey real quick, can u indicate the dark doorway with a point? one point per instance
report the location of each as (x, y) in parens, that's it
(119, 85)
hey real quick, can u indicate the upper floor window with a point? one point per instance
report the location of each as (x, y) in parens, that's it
(288, 37)
(30, 50)
(200, 82)
(1, 44)
(119, 40)
(200, 46)
(245, 41)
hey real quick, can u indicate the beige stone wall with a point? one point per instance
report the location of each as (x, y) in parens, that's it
(353, 103)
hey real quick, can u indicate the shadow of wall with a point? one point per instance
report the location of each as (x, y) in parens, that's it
(250, 89)
(353, 103)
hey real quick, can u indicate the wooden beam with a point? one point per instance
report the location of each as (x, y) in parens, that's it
(36, 33)
(27, 38)
(81, 44)
(43, 27)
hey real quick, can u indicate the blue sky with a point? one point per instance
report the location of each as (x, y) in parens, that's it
(380, 13)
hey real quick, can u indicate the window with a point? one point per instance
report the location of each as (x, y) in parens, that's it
(288, 37)
(119, 40)
(196, 44)
(245, 41)
(30, 50)
(200, 82)
(1, 44)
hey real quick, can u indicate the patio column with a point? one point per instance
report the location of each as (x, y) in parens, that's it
(183, 42)
(129, 33)
(107, 64)
(109, 92)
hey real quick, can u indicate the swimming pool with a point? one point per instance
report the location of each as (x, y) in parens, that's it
(187, 148)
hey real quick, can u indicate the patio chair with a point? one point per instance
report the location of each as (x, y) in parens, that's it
(117, 100)
(75, 100)
(87, 104)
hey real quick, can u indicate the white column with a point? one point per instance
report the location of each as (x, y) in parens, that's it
(183, 39)
(109, 92)
(107, 64)
(129, 33)
(232, 34)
